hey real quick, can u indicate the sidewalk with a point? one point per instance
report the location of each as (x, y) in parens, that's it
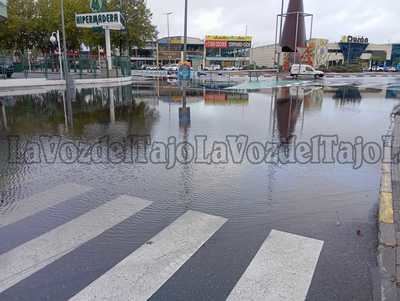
(13, 86)
(29, 83)
(389, 217)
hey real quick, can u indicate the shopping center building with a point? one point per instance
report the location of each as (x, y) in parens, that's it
(228, 51)
(3, 10)
(321, 52)
(225, 51)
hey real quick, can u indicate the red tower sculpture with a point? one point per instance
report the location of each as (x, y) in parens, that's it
(294, 30)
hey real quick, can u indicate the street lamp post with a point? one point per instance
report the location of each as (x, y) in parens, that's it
(55, 41)
(185, 32)
(64, 45)
(69, 93)
(167, 15)
(168, 34)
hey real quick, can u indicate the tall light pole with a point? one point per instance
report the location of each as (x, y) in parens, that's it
(167, 15)
(168, 35)
(68, 87)
(64, 45)
(185, 31)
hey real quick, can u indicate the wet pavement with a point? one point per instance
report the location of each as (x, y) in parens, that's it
(331, 203)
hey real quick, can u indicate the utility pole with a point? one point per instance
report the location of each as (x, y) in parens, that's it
(185, 31)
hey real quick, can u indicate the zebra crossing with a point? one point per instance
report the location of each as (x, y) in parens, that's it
(285, 262)
(30, 257)
(282, 269)
(40, 201)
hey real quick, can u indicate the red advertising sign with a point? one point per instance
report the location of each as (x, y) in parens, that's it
(216, 44)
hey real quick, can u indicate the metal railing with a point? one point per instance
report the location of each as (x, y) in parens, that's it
(83, 66)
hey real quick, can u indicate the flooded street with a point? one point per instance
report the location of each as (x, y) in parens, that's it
(332, 202)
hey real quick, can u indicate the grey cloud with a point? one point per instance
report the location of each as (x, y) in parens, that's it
(375, 19)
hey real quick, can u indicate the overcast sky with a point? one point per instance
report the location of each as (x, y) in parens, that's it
(377, 20)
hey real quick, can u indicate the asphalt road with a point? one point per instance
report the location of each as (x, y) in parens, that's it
(196, 231)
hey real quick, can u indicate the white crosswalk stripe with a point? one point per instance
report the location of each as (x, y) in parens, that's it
(41, 201)
(34, 255)
(143, 272)
(281, 270)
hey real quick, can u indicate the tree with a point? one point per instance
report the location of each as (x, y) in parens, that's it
(138, 26)
(30, 24)
(17, 31)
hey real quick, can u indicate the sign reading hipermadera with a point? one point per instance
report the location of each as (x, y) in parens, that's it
(110, 20)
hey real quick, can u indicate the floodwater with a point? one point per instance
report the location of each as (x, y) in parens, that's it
(335, 202)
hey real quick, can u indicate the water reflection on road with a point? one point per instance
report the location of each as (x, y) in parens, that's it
(306, 199)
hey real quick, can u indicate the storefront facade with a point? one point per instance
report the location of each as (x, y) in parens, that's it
(227, 51)
(170, 50)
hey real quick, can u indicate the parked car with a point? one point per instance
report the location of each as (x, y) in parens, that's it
(172, 67)
(232, 68)
(213, 68)
(392, 69)
(6, 67)
(152, 68)
(305, 70)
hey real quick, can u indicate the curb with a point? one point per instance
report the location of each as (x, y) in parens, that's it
(100, 81)
(389, 246)
(42, 85)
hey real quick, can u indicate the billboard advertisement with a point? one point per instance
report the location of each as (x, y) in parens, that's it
(213, 41)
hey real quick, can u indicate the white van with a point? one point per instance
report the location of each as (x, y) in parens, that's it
(305, 70)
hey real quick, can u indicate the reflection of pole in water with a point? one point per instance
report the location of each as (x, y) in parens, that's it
(274, 98)
(65, 112)
(287, 113)
(112, 105)
(3, 113)
(68, 112)
(186, 172)
(158, 87)
(120, 95)
(184, 100)
(184, 111)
